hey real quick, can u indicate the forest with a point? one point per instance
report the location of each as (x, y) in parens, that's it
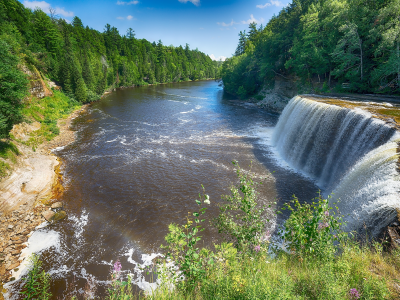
(83, 61)
(336, 45)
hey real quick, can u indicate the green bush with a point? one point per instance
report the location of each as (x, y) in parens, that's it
(240, 220)
(37, 282)
(312, 229)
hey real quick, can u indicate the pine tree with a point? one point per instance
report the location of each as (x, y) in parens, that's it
(81, 90)
(242, 43)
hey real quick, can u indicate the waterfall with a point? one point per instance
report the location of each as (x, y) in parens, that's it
(348, 153)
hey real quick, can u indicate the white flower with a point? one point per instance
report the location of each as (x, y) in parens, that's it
(207, 201)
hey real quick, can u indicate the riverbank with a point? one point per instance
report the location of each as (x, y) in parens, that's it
(34, 184)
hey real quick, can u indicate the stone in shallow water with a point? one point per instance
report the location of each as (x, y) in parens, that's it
(59, 215)
(57, 205)
(48, 215)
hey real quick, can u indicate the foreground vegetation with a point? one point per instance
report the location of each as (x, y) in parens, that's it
(340, 45)
(311, 259)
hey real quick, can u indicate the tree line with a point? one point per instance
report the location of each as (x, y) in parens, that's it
(83, 61)
(343, 45)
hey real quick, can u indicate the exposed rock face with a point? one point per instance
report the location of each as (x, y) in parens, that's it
(38, 86)
(22, 131)
(29, 183)
(276, 99)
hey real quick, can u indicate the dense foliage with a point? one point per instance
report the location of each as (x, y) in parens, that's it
(82, 60)
(342, 45)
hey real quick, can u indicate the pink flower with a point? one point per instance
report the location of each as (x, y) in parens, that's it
(354, 294)
(323, 225)
(257, 248)
(117, 267)
(327, 213)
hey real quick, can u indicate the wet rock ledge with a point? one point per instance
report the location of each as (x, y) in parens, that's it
(15, 229)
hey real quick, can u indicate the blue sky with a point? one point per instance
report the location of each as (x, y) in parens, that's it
(212, 26)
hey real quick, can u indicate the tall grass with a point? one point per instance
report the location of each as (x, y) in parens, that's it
(48, 111)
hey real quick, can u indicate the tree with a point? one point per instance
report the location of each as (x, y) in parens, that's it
(389, 29)
(77, 22)
(349, 52)
(13, 88)
(81, 90)
(242, 43)
(130, 33)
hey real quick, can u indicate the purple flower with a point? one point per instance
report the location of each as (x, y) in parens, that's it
(117, 267)
(354, 294)
(323, 225)
(257, 248)
(327, 213)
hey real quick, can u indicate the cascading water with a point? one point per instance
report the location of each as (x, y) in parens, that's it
(348, 153)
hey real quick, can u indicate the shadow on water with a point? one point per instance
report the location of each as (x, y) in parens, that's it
(287, 182)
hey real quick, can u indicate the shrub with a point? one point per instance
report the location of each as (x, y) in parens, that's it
(241, 220)
(37, 282)
(312, 228)
(182, 249)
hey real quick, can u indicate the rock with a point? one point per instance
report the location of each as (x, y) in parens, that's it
(13, 266)
(15, 252)
(57, 205)
(60, 215)
(15, 238)
(20, 247)
(48, 215)
(394, 236)
(10, 227)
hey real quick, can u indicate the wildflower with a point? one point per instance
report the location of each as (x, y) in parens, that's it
(257, 248)
(117, 267)
(354, 294)
(323, 225)
(326, 213)
(207, 201)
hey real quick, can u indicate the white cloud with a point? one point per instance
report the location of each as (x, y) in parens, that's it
(128, 18)
(127, 3)
(253, 20)
(271, 3)
(195, 2)
(212, 56)
(227, 24)
(43, 5)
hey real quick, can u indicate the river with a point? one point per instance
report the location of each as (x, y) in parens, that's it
(138, 163)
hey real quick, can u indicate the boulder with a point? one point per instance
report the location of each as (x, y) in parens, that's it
(13, 266)
(48, 215)
(57, 205)
(59, 215)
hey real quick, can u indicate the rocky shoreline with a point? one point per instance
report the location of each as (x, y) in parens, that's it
(28, 197)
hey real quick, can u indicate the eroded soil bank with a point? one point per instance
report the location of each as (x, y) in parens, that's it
(35, 183)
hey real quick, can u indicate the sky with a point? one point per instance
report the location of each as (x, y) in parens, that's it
(212, 26)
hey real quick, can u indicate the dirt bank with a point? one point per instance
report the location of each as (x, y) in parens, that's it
(27, 192)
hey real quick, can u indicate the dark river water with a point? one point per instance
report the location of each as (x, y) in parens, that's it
(138, 163)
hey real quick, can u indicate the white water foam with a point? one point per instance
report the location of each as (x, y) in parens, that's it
(42, 239)
(346, 152)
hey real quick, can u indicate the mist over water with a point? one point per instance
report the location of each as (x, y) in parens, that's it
(138, 164)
